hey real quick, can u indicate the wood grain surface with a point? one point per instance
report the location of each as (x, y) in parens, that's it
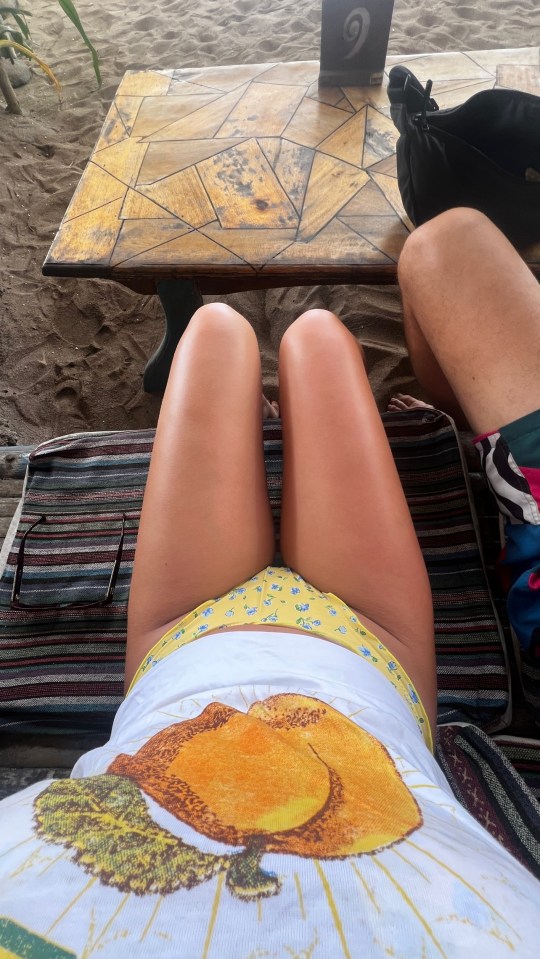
(253, 176)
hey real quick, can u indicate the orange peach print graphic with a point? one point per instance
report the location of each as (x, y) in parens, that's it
(292, 775)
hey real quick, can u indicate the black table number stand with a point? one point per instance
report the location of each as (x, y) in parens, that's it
(354, 41)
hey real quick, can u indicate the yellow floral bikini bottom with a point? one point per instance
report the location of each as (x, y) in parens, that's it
(277, 596)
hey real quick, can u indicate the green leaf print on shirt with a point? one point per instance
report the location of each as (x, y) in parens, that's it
(105, 820)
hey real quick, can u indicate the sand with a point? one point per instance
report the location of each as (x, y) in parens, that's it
(73, 351)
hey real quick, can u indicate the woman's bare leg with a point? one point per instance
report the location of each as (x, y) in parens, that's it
(206, 523)
(472, 320)
(345, 525)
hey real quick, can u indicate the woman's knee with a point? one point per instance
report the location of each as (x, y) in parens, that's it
(315, 332)
(308, 324)
(220, 318)
(218, 327)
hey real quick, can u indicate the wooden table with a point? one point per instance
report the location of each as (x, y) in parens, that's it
(220, 179)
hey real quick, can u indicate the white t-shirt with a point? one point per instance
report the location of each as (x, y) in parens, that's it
(261, 795)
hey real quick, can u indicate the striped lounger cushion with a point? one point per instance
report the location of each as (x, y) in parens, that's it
(486, 777)
(65, 670)
(524, 755)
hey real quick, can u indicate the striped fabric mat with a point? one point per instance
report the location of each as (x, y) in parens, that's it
(524, 755)
(64, 671)
(485, 777)
(530, 679)
(472, 668)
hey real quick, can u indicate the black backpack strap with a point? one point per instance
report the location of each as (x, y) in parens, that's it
(407, 96)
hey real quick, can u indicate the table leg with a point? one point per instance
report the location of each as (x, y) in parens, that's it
(179, 299)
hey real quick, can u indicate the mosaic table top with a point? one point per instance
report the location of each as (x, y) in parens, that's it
(253, 175)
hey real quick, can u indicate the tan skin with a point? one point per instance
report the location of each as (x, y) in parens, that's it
(472, 325)
(471, 312)
(206, 524)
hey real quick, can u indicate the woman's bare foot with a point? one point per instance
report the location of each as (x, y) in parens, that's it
(402, 401)
(270, 409)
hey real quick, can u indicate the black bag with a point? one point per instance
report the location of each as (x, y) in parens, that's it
(484, 154)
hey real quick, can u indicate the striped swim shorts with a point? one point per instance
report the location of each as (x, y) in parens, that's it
(511, 461)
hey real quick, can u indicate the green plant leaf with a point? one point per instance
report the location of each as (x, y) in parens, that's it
(14, 11)
(105, 821)
(10, 34)
(23, 26)
(70, 11)
(18, 16)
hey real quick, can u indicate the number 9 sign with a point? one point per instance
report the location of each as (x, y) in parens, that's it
(356, 29)
(354, 40)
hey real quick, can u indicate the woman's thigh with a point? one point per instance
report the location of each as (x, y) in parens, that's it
(206, 523)
(346, 527)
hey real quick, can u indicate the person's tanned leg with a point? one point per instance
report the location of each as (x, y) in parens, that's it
(472, 320)
(345, 525)
(472, 323)
(206, 522)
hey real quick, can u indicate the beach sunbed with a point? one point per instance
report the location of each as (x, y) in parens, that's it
(61, 672)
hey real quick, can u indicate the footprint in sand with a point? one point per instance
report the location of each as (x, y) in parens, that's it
(70, 415)
(8, 436)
